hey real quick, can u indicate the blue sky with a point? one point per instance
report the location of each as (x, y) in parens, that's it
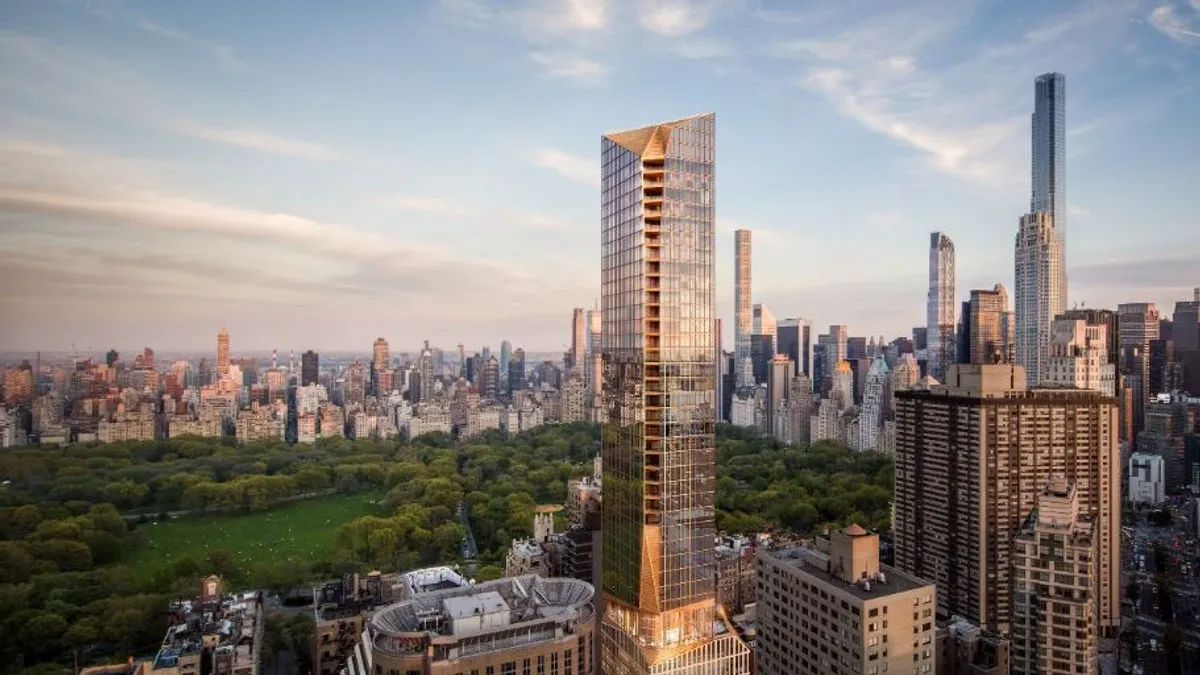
(312, 177)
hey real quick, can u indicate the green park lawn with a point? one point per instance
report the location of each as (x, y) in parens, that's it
(300, 530)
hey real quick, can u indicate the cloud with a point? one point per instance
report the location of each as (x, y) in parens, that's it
(576, 168)
(113, 11)
(960, 104)
(261, 141)
(1167, 21)
(435, 205)
(569, 66)
(698, 48)
(673, 18)
(1134, 277)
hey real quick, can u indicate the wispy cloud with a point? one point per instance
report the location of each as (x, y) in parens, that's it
(576, 168)
(701, 48)
(115, 11)
(438, 206)
(570, 66)
(889, 73)
(261, 141)
(673, 18)
(425, 204)
(1167, 20)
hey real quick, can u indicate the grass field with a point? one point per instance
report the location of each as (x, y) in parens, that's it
(301, 530)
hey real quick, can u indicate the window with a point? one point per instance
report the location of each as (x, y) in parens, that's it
(525, 667)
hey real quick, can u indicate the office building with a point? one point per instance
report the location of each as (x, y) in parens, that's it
(832, 608)
(972, 456)
(989, 326)
(799, 412)
(742, 311)
(310, 368)
(222, 352)
(1049, 167)
(794, 338)
(779, 377)
(1077, 357)
(874, 406)
(1054, 587)
(516, 371)
(1186, 331)
(657, 269)
(1146, 479)
(1040, 293)
(508, 626)
(1137, 325)
(380, 357)
(940, 306)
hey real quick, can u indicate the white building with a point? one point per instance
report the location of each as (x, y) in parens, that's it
(1041, 292)
(1147, 481)
(875, 395)
(1079, 357)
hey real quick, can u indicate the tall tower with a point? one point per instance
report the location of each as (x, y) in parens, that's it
(1039, 291)
(657, 265)
(743, 316)
(578, 339)
(1049, 136)
(223, 351)
(940, 308)
(380, 355)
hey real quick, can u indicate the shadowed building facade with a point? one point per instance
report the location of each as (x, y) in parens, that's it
(659, 436)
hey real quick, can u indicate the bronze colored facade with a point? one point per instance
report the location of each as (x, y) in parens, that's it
(658, 447)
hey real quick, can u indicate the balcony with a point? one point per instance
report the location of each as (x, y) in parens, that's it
(655, 181)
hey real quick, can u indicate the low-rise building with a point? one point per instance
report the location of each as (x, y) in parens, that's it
(505, 627)
(1147, 482)
(966, 649)
(214, 633)
(831, 607)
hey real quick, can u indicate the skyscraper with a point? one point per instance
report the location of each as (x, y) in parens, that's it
(380, 357)
(222, 352)
(309, 368)
(657, 269)
(989, 325)
(1040, 295)
(794, 338)
(505, 357)
(972, 456)
(742, 312)
(1137, 326)
(1049, 136)
(578, 339)
(940, 306)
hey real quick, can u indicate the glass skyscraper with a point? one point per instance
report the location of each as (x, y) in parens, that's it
(658, 448)
(1049, 172)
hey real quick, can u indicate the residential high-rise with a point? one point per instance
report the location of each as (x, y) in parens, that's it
(832, 607)
(426, 375)
(222, 352)
(989, 325)
(657, 267)
(1054, 587)
(595, 364)
(1107, 320)
(794, 338)
(940, 306)
(743, 317)
(799, 411)
(579, 338)
(1040, 293)
(875, 399)
(489, 384)
(1186, 329)
(1049, 170)
(309, 368)
(380, 357)
(1078, 357)
(971, 458)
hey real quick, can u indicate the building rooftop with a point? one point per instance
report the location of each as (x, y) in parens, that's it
(432, 579)
(225, 624)
(815, 563)
(484, 617)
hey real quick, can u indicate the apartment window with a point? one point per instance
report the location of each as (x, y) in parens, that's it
(509, 668)
(554, 663)
(525, 667)
(541, 664)
(491, 670)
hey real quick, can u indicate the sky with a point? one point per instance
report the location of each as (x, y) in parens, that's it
(311, 177)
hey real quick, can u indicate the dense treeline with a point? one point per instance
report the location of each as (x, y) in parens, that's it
(762, 484)
(64, 592)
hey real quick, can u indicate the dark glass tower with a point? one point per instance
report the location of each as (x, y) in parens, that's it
(657, 220)
(1049, 171)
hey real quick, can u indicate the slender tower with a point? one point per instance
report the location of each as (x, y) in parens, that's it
(1049, 137)
(743, 312)
(223, 351)
(940, 325)
(1040, 294)
(660, 614)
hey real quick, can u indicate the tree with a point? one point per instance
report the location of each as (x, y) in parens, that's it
(220, 561)
(41, 635)
(16, 564)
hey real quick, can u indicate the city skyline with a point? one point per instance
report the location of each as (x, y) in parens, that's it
(208, 150)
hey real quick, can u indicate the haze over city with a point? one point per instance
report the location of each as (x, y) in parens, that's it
(428, 170)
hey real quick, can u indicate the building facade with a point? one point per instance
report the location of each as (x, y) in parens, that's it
(832, 608)
(940, 305)
(971, 457)
(657, 272)
(1048, 192)
(1078, 357)
(1146, 479)
(1040, 293)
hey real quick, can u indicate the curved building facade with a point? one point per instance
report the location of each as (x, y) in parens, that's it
(513, 626)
